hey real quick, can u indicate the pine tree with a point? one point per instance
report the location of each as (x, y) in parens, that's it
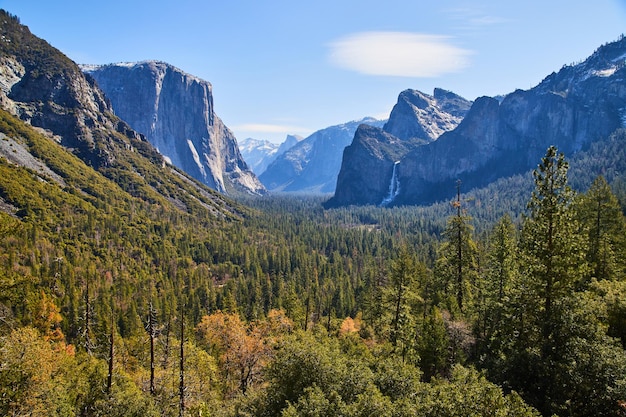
(433, 345)
(500, 274)
(552, 251)
(601, 216)
(152, 335)
(404, 302)
(456, 267)
(553, 262)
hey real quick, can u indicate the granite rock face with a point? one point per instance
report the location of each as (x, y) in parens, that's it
(416, 119)
(372, 154)
(420, 116)
(174, 110)
(498, 138)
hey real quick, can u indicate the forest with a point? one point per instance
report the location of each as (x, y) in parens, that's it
(506, 301)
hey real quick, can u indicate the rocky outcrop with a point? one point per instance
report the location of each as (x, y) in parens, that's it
(420, 116)
(46, 89)
(313, 164)
(175, 112)
(570, 109)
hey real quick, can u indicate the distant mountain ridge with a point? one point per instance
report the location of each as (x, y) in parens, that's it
(175, 111)
(312, 165)
(497, 138)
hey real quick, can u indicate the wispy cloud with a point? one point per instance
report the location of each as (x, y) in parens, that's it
(401, 54)
(474, 18)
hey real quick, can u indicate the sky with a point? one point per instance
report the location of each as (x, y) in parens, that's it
(289, 67)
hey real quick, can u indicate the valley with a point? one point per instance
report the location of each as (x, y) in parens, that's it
(490, 282)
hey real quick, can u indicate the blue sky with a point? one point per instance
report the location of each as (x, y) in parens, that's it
(288, 67)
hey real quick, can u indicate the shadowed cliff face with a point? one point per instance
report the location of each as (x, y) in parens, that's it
(570, 109)
(373, 154)
(367, 166)
(175, 112)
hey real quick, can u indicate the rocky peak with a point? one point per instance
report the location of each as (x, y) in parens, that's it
(175, 112)
(422, 116)
(290, 142)
(451, 103)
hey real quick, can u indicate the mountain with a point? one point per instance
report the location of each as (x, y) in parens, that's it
(500, 137)
(258, 153)
(175, 112)
(422, 116)
(312, 165)
(45, 90)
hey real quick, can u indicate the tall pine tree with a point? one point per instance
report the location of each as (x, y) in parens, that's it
(601, 216)
(552, 264)
(456, 267)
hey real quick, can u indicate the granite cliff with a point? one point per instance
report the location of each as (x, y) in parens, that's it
(570, 109)
(372, 151)
(175, 112)
(417, 115)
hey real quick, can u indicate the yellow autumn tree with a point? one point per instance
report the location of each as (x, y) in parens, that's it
(241, 349)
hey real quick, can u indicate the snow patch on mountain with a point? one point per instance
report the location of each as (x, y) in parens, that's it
(605, 72)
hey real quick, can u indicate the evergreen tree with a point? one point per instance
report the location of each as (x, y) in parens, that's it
(433, 345)
(403, 299)
(373, 301)
(456, 267)
(600, 213)
(500, 274)
(552, 251)
(552, 264)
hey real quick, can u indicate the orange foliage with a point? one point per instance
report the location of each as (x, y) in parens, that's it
(241, 349)
(348, 326)
(47, 319)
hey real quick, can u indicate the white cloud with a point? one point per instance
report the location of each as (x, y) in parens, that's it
(401, 54)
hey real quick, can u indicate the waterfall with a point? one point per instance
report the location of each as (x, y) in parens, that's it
(394, 186)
